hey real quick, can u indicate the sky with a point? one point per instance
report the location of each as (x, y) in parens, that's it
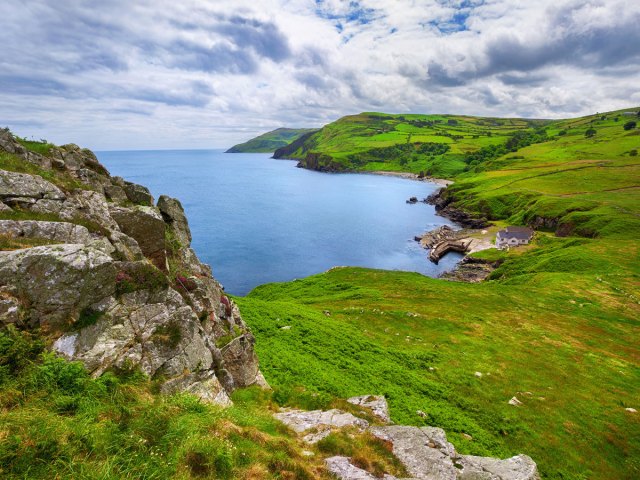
(160, 74)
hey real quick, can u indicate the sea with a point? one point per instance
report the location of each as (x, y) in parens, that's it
(257, 220)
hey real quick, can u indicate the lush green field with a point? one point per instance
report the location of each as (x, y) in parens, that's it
(369, 141)
(557, 325)
(560, 333)
(57, 423)
(270, 141)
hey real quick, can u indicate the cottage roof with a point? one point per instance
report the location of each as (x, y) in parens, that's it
(521, 233)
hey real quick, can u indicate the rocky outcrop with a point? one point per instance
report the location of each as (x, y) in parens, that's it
(376, 403)
(424, 451)
(472, 270)
(60, 232)
(426, 454)
(342, 468)
(444, 207)
(318, 424)
(146, 226)
(103, 289)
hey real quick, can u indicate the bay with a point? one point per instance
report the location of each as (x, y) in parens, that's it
(256, 220)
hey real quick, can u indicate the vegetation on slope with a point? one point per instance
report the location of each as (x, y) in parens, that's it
(556, 325)
(270, 141)
(57, 422)
(559, 332)
(435, 145)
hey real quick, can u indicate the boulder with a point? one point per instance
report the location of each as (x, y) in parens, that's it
(320, 422)
(203, 385)
(146, 226)
(62, 232)
(115, 193)
(57, 281)
(241, 361)
(426, 454)
(138, 194)
(343, 469)
(9, 144)
(22, 188)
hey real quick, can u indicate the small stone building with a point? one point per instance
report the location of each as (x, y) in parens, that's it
(514, 236)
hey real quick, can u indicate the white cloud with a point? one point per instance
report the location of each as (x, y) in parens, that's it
(163, 74)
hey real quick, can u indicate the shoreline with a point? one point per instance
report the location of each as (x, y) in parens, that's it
(409, 176)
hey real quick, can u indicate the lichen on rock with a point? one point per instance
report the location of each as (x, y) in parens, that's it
(117, 285)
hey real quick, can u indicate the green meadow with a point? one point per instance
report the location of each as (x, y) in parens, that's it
(556, 325)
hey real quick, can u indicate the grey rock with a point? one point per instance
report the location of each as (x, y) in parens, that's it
(205, 386)
(343, 469)
(427, 454)
(22, 185)
(376, 403)
(57, 281)
(126, 247)
(322, 422)
(138, 194)
(115, 193)
(9, 144)
(62, 232)
(173, 214)
(425, 451)
(146, 226)
(86, 205)
(241, 361)
(520, 467)
(10, 307)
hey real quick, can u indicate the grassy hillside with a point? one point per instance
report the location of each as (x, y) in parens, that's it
(57, 422)
(436, 145)
(270, 141)
(560, 332)
(557, 325)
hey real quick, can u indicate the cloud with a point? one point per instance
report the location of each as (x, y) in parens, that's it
(162, 74)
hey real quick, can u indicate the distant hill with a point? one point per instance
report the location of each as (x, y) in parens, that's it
(270, 141)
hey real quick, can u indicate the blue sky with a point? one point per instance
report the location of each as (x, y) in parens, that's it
(121, 74)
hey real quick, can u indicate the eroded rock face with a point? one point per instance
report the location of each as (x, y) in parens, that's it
(146, 226)
(57, 281)
(105, 291)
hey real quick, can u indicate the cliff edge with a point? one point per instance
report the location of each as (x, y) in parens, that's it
(109, 278)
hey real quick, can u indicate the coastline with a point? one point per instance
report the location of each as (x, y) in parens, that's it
(409, 176)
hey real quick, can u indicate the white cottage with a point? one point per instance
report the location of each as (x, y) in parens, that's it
(513, 236)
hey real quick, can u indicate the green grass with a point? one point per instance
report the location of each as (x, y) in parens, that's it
(561, 324)
(42, 147)
(58, 422)
(13, 163)
(556, 325)
(345, 143)
(270, 141)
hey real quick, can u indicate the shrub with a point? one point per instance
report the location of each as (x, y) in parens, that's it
(633, 153)
(629, 125)
(88, 317)
(139, 276)
(169, 334)
(18, 350)
(590, 132)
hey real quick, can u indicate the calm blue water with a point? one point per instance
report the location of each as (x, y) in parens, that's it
(256, 220)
